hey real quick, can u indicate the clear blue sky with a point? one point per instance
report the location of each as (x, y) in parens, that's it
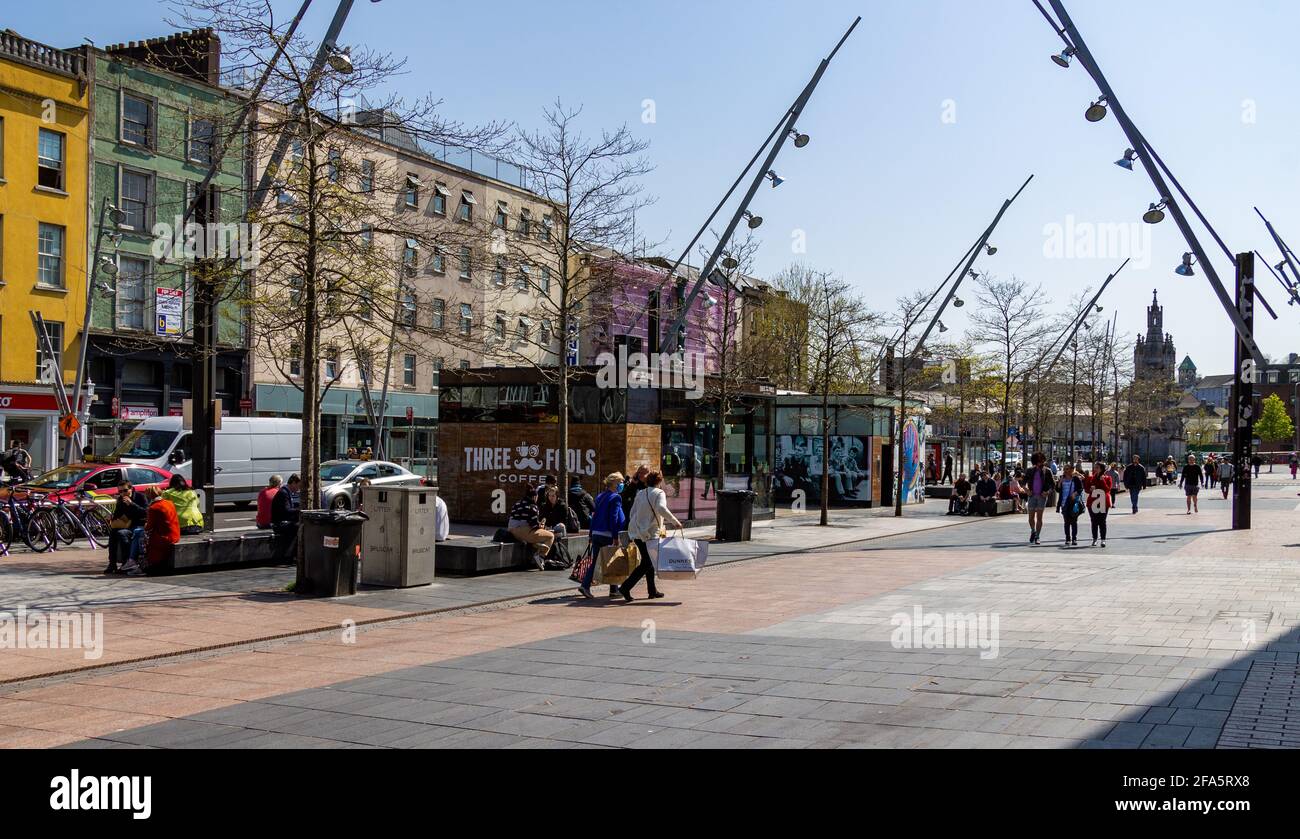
(888, 193)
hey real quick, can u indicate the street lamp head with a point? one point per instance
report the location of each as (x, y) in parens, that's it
(800, 140)
(1063, 59)
(1185, 270)
(942, 328)
(108, 266)
(1097, 309)
(957, 302)
(1126, 162)
(1096, 111)
(1156, 212)
(341, 60)
(115, 215)
(970, 272)
(776, 179)
(752, 220)
(989, 249)
(729, 263)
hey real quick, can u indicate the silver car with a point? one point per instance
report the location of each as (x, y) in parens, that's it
(341, 478)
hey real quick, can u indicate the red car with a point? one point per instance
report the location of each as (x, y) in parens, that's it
(100, 479)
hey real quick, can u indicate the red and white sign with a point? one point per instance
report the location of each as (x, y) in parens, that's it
(28, 402)
(245, 404)
(410, 413)
(138, 412)
(116, 407)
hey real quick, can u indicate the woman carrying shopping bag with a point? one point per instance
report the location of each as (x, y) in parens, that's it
(607, 520)
(1069, 503)
(649, 513)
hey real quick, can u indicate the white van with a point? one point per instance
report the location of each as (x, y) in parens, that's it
(249, 451)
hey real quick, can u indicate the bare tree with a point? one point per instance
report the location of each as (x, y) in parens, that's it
(1010, 320)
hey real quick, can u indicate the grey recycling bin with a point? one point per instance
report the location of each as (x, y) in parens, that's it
(397, 542)
(735, 514)
(330, 547)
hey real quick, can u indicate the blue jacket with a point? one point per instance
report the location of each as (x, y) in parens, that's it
(608, 517)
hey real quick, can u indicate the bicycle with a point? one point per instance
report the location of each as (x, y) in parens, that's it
(29, 522)
(69, 522)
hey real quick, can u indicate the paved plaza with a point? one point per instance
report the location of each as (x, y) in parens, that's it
(1181, 633)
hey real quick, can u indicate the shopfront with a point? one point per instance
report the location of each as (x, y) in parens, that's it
(408, 423)
(30, 414)
(499, 431)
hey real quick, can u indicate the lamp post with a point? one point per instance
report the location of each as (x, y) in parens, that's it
(116, 216)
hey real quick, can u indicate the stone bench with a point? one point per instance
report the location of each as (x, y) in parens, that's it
(471, 557)
(218, 550)
(937, 491)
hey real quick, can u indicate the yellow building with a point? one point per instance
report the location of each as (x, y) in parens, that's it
(44, 172)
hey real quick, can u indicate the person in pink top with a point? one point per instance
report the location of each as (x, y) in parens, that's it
(264, 499)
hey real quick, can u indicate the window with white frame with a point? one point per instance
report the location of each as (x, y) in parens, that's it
(334, 165)
(53, 329)
(412, 198)
(331, 361)
(439, 313)
(499, 271)
(545, 338)
(132, 292)
(203, 135)
(524, 279)
(440, 199)
(466, 318)
(545, 282)
(367, 176)
(295, 359)
(502, 217)
(522, 329)
(464, 364)
(408, 370)
(368, 235)
(135, 199)
(545, 232)
(49, 159)
(410, 255)
(438, 263)
(466, 263)
(525, 226)
(467, 203)
(408, 308)
(137, 120)
(49, 254)
(365, 365)
(500, 327)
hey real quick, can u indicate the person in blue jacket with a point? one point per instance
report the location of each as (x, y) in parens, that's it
(606, 521)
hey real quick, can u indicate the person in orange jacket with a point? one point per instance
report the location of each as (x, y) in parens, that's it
(1097, 488)
(162, 530)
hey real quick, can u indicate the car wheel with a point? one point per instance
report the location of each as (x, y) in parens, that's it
(340, 502)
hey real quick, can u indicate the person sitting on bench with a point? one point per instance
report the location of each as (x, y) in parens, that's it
(960, 498)
(986, 491)
(286, 512)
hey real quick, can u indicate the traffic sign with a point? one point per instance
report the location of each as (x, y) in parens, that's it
(68, 425)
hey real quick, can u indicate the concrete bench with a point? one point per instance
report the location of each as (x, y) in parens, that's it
(936, 491)
(216, 550)
(470, 557)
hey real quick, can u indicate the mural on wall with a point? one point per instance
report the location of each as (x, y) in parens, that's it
(912, 454)
(799, 467)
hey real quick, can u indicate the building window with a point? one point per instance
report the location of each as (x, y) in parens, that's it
(440, 199)
(49, 251)
(524, 278)
(464, 364)
(365, 366)
(49, 159)
(438, 364)
(500, 327)
(408, 370)
(203, 134)
(499, 271)
(521, 331)
(467, 203)
(439, 313)
(333, 165)
(502, 217)
(545, 233)
(466, 318)
(525, 227)
(365, 304)
(412, 190)
(545, 283)
(137, 188)
(466, 266)
(438, 264)
(331, 359)
(137, 120)
(54, 329)
(295, 291)
(367, 176)
(408, 309)
(368, 235)
(2, 148)
(545, 338)
(295, 360)
(132, 291)
(410, 257)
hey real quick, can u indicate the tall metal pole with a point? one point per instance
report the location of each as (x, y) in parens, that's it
(1243, 396)
(1070, 35)
(1074, 390)
(71, 455)
(671, 337)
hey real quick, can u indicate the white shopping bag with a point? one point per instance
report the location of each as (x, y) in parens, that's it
(677, 558)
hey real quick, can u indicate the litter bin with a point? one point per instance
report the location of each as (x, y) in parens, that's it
(735, 514)
(332, 542)
(397, 543)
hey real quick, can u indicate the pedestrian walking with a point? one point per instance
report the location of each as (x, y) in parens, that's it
(649, 514)
(1212, 472)
(1191, 483)
(947, 468)
(1135, 480)
(607, 520)
(1098, 487)
(1113, 474)
(633, 488)
(1257, 462)
(1295, 464)
(1040, 487)
(1225, 476)
(1069, 502)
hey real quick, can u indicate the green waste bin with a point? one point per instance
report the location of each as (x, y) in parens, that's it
(331, 549)
(735, 514)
